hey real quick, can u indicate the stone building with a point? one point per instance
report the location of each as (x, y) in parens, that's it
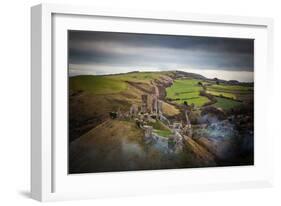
(154, 104)
(134, 110)
(144, 103)
(160, 107)
(147, 131)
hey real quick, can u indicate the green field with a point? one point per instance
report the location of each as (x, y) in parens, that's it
(197, 101)
(223, 94)
(230, 88)
(229, 91)
(160, 128)
(186, 90)
(226, 104)
(163, 133)
(97, 84)
(111, 84)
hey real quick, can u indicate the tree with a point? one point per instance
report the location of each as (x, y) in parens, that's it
(217, 80)
(113, 115)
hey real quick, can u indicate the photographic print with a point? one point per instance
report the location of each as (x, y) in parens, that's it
(151, 101)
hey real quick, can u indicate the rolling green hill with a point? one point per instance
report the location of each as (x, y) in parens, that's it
(99, 143)
(97, 84)
(118, 146)
(92, 98)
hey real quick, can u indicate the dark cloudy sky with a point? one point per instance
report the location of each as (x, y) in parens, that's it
(106, 52)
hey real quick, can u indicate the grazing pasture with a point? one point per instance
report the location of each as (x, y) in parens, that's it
(226, 104)
(227, 96)
(223, 94)
(96, 84)
(230, 91)
(186, 90)
(231, 88)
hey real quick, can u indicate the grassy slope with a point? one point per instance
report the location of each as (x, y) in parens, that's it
(93, 97)
(103, 146)
(118, 146)
(203, 156)
(235, 92)
(142, 77)
(224, 94)
(231, 87)
(230, 91)
(115, 146)
(97, 84)
(186, 90)
(169, 110)
(226, 104)
(160, 129)
(114, 83)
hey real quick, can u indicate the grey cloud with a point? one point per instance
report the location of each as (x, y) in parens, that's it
(160, 51)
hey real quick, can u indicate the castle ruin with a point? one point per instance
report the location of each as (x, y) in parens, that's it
(150, 111)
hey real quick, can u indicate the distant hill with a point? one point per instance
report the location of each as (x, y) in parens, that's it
(171, 73)
(181, 74)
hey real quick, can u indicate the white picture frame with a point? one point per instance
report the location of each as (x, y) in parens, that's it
(50, 181)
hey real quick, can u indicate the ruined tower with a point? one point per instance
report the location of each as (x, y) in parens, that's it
(160, 107)
(154, 104)
(133, 110)
(144, 103)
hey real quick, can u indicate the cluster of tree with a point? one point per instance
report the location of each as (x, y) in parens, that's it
(113, 115)
(202, 85)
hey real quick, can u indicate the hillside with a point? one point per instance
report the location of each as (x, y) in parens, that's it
(91, 98)
(157, 120)
(119, 147)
